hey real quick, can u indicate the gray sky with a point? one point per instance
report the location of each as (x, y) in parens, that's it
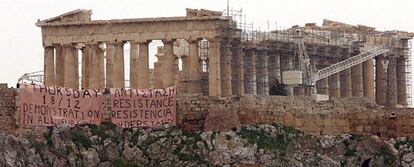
(22, 52)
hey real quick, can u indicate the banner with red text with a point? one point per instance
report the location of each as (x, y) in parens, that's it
(143, 107)
(52, 105)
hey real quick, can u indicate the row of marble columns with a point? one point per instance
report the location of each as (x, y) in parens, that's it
(385, 85)
(261, 67)
(225, 68)
(231, 70)
(62, 69)
(62, 66)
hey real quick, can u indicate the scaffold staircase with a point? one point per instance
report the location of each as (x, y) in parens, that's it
(348, 63)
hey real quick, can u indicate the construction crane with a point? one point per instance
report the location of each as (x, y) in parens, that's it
(305, 74)
(370, 53)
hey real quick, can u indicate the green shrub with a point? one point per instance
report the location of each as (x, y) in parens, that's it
(69, 150)
(81, 139)
(48, 136)
(389, 158)
(99, 131)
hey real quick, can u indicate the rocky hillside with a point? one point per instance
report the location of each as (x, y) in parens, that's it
(256, 145)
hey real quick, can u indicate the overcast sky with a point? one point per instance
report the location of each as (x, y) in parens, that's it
(22, 52)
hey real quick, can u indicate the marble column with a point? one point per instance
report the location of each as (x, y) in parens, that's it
(133, 65)
(401, 81)
(143, 66)
(60, 66)
(86, 65)
(101, 74)
(368, 74)
(96, 80)
(323, 83)
(225, 57)
(380, 80)
(234, 70)
(183, 78)
(334, 90)
(301, 91)
(253, 71)
(119, 67)
(262, 73)
(357, 81)
(392, 83)
(158, 72)
(49, 66)
(71, 64)
(194, 86)
(346, 80)
(278, 70)
(271, 65)
(247, 71)
(110, 65)
(214, 75)
(274, 66)
(239, 70)
(333, 81)
(168, 64)
(266, 76)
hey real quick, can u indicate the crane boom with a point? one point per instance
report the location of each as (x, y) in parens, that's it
(348, 63)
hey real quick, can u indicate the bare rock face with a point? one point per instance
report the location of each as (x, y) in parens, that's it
(253, 145)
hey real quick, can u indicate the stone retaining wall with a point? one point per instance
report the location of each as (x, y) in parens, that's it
(350, 115)
(7, 108)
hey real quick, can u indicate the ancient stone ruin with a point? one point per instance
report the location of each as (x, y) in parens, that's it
(342, 94)
(220, 59)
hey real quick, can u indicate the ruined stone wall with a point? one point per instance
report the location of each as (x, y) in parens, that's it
(338, 116)
(7, 108)
(350, 115)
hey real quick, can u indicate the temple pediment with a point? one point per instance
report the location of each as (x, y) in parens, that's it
(79, 15)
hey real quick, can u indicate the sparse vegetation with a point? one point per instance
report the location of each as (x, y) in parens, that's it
(69, 150)
(409, 142)
(275, 144)
(99, 131)
(48, 136)
(38, 146)
(81, 139)
(389, 158)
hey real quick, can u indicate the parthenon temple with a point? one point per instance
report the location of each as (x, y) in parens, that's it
(206, 52)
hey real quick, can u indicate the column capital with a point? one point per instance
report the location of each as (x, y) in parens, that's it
(183, 56)
(215, 39)
(168, 41)
(101, 46)
(49, 46)
(79, 45)
(193, 41)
